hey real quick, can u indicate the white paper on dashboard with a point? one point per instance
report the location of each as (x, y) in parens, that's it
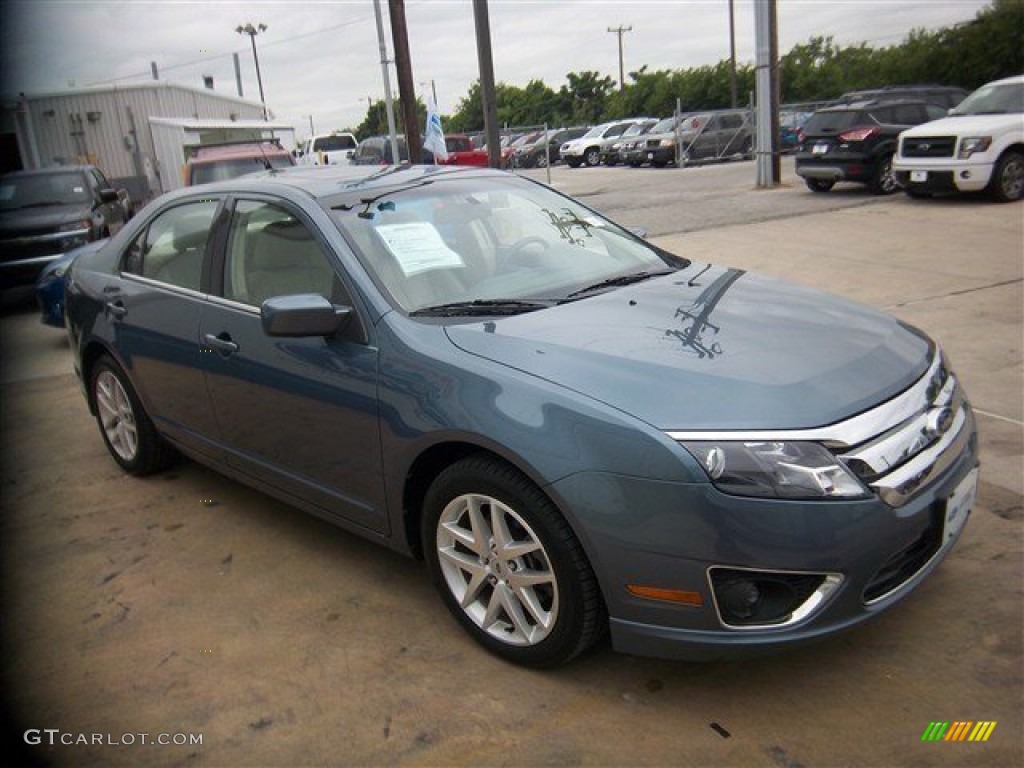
(418, 247)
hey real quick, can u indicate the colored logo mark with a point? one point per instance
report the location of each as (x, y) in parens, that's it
(959, 730)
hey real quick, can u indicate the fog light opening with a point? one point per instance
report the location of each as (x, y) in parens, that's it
(747, 599)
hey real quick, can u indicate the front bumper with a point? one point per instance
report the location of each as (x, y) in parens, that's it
(675, 536)
(941, 178)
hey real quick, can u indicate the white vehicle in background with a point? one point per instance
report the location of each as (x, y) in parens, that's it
(327, 149)
(978, 147)
(587, 149)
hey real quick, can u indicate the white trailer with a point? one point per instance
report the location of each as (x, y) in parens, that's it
(173, 137)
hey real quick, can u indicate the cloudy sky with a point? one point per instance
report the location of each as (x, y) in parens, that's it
(322, 58)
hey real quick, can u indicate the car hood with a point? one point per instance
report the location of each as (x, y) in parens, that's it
(34, 219)
(945, 126)
(712, 348)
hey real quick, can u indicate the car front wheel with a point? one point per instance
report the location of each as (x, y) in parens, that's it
(1007, 182)
(592, 157)
(508, 566)
(127, 431)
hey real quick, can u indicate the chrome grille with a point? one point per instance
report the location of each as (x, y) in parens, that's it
(929, 146)
(904, 457)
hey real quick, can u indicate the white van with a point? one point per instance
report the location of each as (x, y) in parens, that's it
(327, 149)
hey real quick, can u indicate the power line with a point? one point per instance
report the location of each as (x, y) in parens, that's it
(210, 59)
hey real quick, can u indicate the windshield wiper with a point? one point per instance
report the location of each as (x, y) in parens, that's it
(45, 203)
(480, 307)
(613, 282)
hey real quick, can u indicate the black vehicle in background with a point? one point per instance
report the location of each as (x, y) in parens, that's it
(47, 212)
(945, 96)
(855, 142)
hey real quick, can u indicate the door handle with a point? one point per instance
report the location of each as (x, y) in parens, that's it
(221, 343)
(117, 309)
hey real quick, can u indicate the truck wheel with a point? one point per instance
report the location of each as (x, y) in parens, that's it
(1007, 184)
(819, 185)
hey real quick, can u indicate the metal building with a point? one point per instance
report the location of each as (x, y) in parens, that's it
(109, 127)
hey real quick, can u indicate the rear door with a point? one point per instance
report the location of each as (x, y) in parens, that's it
(299, 414)
(155, 310)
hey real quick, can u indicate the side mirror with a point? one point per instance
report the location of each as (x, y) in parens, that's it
(303, 314)
(108, 195)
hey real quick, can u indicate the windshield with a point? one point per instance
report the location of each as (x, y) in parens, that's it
(597, 130)
(1004, 99)
(221, 170)
(487, 240)
(664, 126)
(42, 190)
(637, 128)
(333, 143)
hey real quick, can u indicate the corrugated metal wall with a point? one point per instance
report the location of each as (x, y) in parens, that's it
(95, 126)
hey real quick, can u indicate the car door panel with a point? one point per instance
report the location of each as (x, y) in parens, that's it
(299, 413)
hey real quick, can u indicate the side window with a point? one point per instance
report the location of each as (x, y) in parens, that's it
(272, 253)
(884, 115)
(908, 114)
(171, 248)
(99, 179)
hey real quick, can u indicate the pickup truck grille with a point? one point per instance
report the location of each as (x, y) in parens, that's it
(930, 146)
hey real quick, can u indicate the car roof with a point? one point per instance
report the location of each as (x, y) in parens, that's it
(50, 170)
(328, 180)
(853, 106)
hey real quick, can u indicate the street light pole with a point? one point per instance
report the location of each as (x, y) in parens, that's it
(252, 31)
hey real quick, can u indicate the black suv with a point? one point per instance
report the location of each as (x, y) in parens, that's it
(47, 212)
(855, 142)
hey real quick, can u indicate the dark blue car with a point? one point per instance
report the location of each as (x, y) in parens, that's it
(50, 284)
(576, 430)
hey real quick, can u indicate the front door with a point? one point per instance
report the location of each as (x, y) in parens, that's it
(297, 413)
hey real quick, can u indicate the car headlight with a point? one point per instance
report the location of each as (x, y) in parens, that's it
(783, 470)
(667, 143)
(972, 144)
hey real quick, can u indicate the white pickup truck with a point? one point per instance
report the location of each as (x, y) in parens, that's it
(327, 149)
(978, 147)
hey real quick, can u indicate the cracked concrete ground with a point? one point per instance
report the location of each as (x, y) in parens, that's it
(187, 603)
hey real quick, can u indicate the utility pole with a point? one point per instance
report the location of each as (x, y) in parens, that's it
(481, 19)
(732, 54)
(620, 30)
(406, 89)
(388, 102)
(252, 31)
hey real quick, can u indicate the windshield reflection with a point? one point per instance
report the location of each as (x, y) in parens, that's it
(697, 333)
(459, 240)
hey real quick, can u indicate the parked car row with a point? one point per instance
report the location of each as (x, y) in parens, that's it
(889, 142)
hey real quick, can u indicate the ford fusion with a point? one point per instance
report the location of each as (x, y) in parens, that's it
(580, 433)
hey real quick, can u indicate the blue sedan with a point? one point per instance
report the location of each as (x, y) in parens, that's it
(50, 284)
(578, 432)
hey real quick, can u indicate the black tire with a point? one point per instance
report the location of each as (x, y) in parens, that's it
(127, 431)
(592, 157)
(819, 185)
(573, 162)
(567, 614)
(1007, 182)
(882, 180)
(635, 163)
(659, 163)
(917, 194)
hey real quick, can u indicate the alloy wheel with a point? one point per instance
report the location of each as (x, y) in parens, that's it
(497, 569)
(116, 416)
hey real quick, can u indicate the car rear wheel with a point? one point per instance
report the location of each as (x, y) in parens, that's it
(508, 566)
(1007, 182)
(819, 185)
(127, 431)
(882, 181)
(592, 157)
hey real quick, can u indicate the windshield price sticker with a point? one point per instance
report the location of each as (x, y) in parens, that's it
(418, 247)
